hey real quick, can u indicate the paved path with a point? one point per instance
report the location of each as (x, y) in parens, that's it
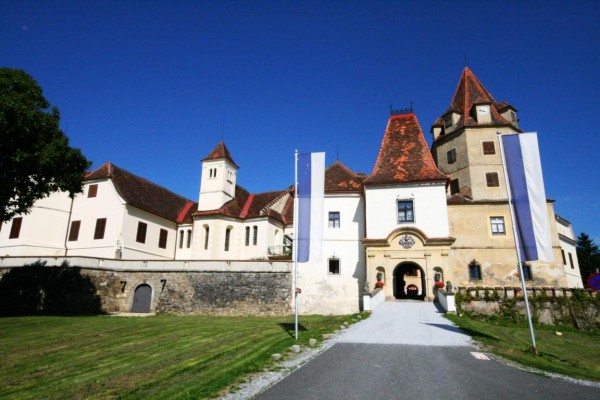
(406, 322)
(407, 350)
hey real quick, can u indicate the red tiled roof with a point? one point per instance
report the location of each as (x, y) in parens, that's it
(339, 178)
(246, 205)
(145, 195)
(470, 92)
(404, 155)
(220, 151)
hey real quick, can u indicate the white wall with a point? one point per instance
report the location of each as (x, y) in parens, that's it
(322, 292)
(184, 252)
(431, 213)
(237, 241)
(216, 190)
(43, 230)
(107, 204)
(149, 249)
(567, 242)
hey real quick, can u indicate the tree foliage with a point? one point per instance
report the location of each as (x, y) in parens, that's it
(588, 255)
(35, 156)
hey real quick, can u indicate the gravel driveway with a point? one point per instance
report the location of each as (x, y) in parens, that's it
(406, 322)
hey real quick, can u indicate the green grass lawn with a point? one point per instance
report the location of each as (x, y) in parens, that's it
(574, 353)
(171, 357)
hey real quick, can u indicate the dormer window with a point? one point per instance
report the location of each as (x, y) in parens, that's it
(448, 122)
(482, 113)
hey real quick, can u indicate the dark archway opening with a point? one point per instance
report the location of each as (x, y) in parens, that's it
(142, 299)
(409, 281)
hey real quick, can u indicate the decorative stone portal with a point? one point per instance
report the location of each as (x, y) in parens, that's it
(142, 299)
(409, 281)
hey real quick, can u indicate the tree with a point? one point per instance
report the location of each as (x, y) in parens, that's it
(588, 255)
(35, 156)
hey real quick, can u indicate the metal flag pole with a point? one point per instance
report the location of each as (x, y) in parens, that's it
(295, 244)
(517, 241)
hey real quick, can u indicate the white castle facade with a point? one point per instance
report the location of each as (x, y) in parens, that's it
(421, 218)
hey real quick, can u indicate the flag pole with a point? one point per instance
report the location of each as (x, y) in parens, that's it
(295, 244)
(517, 241)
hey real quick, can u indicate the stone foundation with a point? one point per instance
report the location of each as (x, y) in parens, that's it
(186, 288)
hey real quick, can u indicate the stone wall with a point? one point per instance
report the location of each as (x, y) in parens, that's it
(186, 288)
(548, 305)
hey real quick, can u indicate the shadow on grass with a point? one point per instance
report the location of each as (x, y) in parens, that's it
(35, 289)
(447, 327)
(290, 328)
(473, 333)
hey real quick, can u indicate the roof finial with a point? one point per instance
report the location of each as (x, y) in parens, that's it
(400, 111)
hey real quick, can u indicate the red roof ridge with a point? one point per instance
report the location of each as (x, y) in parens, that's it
(184, 211)
(406, 115)
(244, 212)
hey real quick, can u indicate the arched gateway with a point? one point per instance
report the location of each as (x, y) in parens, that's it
(409, 281)
(142, 299)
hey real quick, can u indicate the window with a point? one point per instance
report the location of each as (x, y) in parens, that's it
(141, 232)
(189, 238)
(571, 261)
(497, 224)
(74, 231)
(563, 256)
(454, 186)
(206, 232)
(474, 271)
(489, 148)
(334, 219)
(100, 227)
(247, 236)
(405, 211)
(527, 272)
(162, 239)
(92, 190)
(227, 237)
(15, 228)
(513, 116)
(255, 237)
(492, 179)
(334, 266)
(212, 173)
(451, 154)
(448, 121)
(181, 233)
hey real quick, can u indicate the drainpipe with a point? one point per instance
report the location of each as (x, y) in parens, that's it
(69, 224)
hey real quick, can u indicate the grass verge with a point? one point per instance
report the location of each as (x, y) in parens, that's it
(159, 357)
(574, 353)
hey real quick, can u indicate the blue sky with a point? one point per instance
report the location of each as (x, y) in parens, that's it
(153, 86)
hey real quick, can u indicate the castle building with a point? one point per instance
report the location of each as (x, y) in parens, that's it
(422, 217)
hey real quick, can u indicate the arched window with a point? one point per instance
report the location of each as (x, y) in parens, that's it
(189, 238)
(227, 238)
(474, 271)
(247, 236)
(255, 239)
(180, 239)
(206, 232)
